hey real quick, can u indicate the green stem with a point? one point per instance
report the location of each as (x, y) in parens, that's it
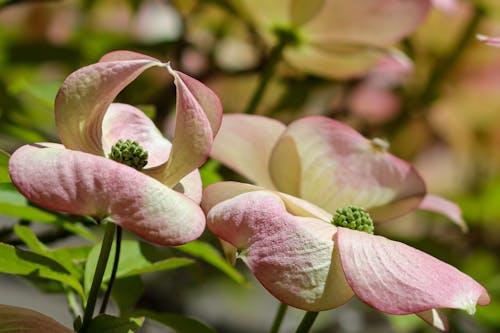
(267, 73)
(444, 67)
(114, 270)
(279, 318)
(307, 322)
(417, 104)
(107, 241)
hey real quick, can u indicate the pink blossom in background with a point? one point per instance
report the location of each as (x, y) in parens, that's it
(335, 38)
(280, 226)
(160, 203)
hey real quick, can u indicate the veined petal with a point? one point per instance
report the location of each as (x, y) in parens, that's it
(244, 143)
(123, 121)
(293, 257)
(440, 205)
(337, 60)
(22, 320)
(340, 167)
(395, 278)
(84, 184)
(371, 22)
(198, 118)
(435, 318)
(85, 96)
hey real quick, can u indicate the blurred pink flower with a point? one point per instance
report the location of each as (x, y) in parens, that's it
(334, 38)
(161, 203)
(280, 227)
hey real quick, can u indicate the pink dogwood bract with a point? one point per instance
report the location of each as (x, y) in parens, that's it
(281, 226)
(159, 203)
(334, 38)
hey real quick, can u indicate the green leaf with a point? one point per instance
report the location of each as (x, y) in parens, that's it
(126, 292)
(20, 262)
(206, 252)
(110, 324)
(135, 258)
(13, 203)
(16, 319)
(71, 258)
(180, 324)
(4, 167)
(209, 173)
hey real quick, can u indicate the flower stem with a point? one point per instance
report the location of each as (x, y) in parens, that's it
(279, 318)
(114, 270)
(107, 241)
(307, 322)
(266, 75)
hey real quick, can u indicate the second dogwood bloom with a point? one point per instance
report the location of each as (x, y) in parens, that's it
(308, 175)
(160, 202)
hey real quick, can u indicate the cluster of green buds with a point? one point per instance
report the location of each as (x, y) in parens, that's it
(354, 218)
(130, 153)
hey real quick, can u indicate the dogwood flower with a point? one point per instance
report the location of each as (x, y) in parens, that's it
(334, 38)
(315, 179)
(147, 185)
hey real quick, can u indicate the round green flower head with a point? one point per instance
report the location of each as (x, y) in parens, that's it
(129, 153)
(354, 218)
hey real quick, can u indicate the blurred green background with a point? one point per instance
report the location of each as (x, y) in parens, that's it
(444, 117)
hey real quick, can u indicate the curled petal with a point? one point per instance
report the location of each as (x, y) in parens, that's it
(437, 204)
(85, 96)
(21, 320)
(395, 278)
(198, 118)
(123, 121)
(340, 167)
(244, 143)
(84, 184)
(293, 257)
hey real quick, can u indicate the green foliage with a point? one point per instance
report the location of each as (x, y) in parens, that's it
(127, 292)
(135, 258)
(209, 254)
(180, 324)
(109, 324)
(209, 173)
(71, 258)
(19, 262)
(4, 167)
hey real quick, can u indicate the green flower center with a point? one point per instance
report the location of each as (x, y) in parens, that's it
(354, 218)
(129, 153)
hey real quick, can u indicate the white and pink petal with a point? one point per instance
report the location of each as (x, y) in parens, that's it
(395, 278)
(198, 118)
(440, 205)
(84, 184)
(245, 142)
(339, 167)
(125, 122)
(86, 94)
(293, 257)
